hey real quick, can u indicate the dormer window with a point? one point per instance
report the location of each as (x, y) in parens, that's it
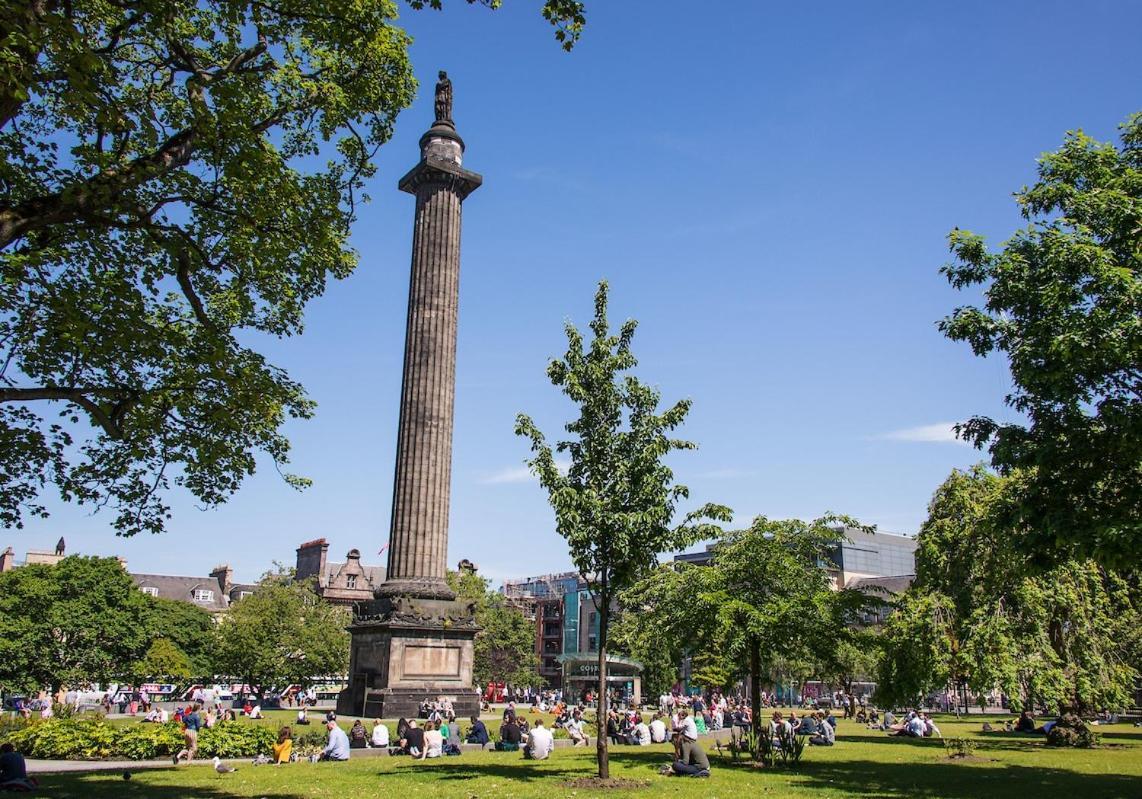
(351, 581)
(203, 595)
(150, 590)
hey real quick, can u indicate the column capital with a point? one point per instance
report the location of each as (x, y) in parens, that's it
(437, 171)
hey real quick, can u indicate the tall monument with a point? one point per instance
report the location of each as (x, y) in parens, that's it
(414, 640)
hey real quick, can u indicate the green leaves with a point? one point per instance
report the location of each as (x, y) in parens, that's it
(1063, 302)
(282, 633)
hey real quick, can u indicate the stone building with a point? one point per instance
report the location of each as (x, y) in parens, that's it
(340, 583)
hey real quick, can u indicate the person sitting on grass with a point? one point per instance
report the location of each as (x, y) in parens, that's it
(413, 741)
(284, 747)
(1026, 722)
(338, 746)
(540, 742)
(433, 741)
(613, 731)
(509, 736)
(452, 738)
(810, 725)
(779, 728)
(574, 727)
(380, 736)
(358, 736)
(14, 771)
(657, 729)
(478, 733)
(640, 735)
(302, 716)
(689, 759)
(913, 727)
(930, 728)
(825, 735)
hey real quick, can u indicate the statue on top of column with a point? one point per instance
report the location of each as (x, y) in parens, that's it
(444, 99)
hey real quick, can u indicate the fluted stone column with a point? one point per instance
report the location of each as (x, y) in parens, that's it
(418, 536)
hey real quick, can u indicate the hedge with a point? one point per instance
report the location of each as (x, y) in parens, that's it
(95, 739)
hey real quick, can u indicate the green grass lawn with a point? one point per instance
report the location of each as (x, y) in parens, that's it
(864, 763)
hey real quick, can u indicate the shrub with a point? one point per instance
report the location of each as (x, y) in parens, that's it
(94, 739)
(1070, 730)
(959, 747)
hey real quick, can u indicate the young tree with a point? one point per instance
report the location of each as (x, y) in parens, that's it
(281, 634)
(81, 620)
(617, 502)
(176, 178)
(1063, 302)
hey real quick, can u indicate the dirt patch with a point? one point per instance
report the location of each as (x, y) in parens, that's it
(613, 783)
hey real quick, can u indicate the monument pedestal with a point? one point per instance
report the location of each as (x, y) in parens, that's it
(406, 651)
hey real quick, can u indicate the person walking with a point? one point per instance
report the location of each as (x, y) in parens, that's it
(191, 723)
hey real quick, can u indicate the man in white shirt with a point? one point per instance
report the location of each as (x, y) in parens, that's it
(574, 727)
(540, 742)
(380, 738)
(641, 733)
(658, 729)
(686, 727)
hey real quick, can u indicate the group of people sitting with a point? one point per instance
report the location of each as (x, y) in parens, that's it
(915, 725)
(820, 727)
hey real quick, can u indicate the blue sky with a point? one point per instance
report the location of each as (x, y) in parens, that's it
(767, 187)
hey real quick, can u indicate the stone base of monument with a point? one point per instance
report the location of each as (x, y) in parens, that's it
(405, 651)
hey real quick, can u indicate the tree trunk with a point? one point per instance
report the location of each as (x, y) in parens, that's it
(601, 711)
(755, 689)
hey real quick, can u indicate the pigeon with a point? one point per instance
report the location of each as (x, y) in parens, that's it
(221, 767)
(126, 775)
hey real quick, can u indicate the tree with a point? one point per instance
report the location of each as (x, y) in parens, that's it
(1064, 304)
(980, 617)
(177, 178)
(163, 661)
(282, 634)
(505, 644)
(188, 628)
(617, 502)
(76, 622)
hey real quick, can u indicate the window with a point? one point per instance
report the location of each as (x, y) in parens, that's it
(351, 581)
(592, 644)
(150, 590)
(203, 595)
(242, 594)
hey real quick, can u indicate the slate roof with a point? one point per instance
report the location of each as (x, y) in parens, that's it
(182, 589)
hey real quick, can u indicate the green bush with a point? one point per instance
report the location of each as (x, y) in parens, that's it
(94, 739)
(1070, 730)
(235, 739)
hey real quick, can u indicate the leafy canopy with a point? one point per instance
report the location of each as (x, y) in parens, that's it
(980, 616)
(282, 633)
(177, 179)
(1063, 302)
(82, 620)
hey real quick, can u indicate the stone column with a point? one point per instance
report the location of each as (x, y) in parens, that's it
(418, 537)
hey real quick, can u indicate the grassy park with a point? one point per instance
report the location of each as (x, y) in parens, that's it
(864, 763)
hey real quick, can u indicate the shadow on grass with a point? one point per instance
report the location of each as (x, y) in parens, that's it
(107, 785)
(949, 780)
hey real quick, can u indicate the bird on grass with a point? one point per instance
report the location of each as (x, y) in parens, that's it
(221, 767)
(126, 775)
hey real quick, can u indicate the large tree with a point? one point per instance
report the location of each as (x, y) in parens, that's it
(82, 620)
(980, 617)
(176, 178)
(187, 627)
(1063, 302)
(617, 502)
(281, 634)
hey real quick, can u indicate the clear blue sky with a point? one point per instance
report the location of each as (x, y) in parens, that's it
(766, 186)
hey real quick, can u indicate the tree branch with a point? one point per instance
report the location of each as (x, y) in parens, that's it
(78, 396)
